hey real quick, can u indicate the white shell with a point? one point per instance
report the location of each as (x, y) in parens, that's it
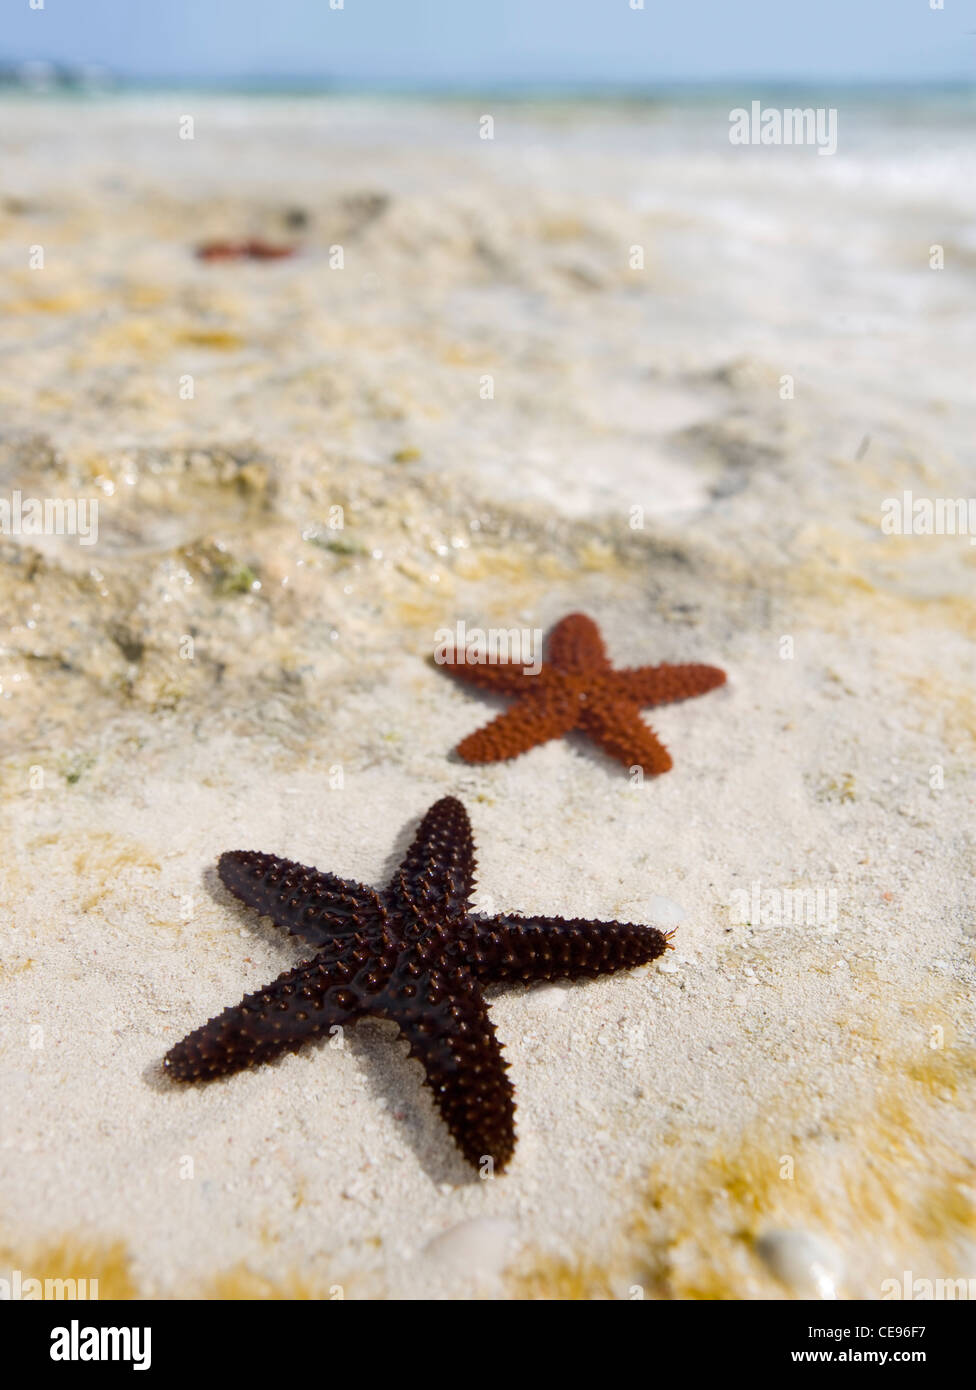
(481, 1247)
(808, 1266)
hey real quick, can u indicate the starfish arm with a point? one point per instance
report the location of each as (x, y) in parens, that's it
(446, 1023)
(437, 875)
(508, 948)
(663, 685)
(502, 678)
(300, 1005)
(575, 646)
(315, 906)
(524, 726)
(623, 735)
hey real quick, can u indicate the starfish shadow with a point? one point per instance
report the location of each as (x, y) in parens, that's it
(584, 747)
(381, 1055)
(401, 844)
(154, 1076)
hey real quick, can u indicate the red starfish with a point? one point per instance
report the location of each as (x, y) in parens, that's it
(255, 250)
(577, 688)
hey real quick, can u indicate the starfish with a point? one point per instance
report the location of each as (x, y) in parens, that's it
(255, 250)
(577, 688)
(414, 953)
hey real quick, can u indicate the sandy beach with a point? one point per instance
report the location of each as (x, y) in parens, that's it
(602, 362)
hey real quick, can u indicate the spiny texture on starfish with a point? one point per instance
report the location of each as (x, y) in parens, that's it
(577, 688)
(414, 953)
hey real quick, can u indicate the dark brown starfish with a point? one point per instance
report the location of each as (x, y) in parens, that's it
(577, 688)
(414, 953)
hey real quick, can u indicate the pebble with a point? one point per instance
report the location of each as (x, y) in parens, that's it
(668, 967)
(482, 1246)
(808, 1266)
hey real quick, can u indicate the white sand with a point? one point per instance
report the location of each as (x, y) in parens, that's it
(673, 1120)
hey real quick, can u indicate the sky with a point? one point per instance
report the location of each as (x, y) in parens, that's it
(472, 42)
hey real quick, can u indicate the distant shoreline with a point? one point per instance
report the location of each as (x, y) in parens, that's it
(66, 85)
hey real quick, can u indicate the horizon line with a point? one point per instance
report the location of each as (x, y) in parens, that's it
(99, 79)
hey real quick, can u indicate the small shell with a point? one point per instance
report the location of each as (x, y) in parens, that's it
(478, 1248)
(808, 1266)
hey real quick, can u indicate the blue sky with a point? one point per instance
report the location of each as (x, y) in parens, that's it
(472, 42)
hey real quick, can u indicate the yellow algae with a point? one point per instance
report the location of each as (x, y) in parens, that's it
(153, 338)
(842, 788)
(241, 1284)
(77, 1258)
(49, 398)
(16, 967)
(834, 580)
(103, 857)
(775, 1179)
(829, 578)
(942, 1073)
(117, 342)
(68, 303)
(543, 1277)
(421, 615)
(458, 355)
(692, 1233)
(515, 568)
(598, 555)
(218, 338)
(945, 1210)
(564, 228)
(954, 702)
(146, 296)
(954, 612)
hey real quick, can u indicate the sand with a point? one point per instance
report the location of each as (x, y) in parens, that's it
(778, 1108)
